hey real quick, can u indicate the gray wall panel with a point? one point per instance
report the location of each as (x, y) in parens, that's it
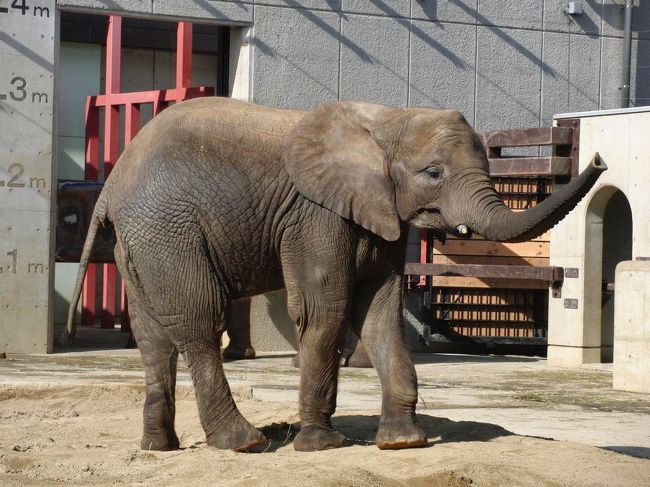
(386, 8)
(128, 6)
(465, 12)
(296, 57)
(610, 74)
(640, 74)
(442, 68)
(334, 5)
(556, 20)
(569, 84)
(613, 16)
(374, 60)
(203, 9)
(509, 77)
(523, 14)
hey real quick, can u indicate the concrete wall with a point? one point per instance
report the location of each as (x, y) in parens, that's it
(28, 58)
(632, 333)
(575, 334)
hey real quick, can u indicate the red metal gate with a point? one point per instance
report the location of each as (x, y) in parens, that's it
(110, 104)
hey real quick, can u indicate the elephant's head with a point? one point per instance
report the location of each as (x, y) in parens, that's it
(385, 167)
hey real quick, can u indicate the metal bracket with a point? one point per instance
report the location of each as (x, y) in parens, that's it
(571, 272)
(571, 303)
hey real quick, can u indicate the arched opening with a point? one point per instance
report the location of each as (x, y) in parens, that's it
(617, 247)
(608, 241)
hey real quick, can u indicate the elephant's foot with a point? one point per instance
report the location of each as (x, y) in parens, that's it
(242, 438)
(359, 358)
(235, 353)
(295, 361)
(395, 434)
(160, 442)
(315, 438)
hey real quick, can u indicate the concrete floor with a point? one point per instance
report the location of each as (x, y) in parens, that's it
(521, 394)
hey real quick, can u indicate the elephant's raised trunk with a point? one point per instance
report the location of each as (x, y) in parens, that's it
(497, 222)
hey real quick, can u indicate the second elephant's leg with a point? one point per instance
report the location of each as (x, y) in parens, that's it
(239, 332)
(379, 312)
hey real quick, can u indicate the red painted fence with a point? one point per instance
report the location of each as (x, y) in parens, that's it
(111, 103)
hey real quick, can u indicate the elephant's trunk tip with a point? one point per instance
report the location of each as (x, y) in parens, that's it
(598, 163)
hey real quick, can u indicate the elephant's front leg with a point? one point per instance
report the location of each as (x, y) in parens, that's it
(378, 309)
(319, 304)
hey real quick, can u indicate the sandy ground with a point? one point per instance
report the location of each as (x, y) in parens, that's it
(76, 418)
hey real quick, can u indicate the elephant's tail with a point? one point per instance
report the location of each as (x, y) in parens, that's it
(98, 218)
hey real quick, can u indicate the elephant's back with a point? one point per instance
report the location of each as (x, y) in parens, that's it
(225, 141)
(206, 174)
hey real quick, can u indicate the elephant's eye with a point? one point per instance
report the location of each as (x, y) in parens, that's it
(435, 172)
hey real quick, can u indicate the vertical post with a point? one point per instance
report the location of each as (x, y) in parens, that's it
(627, 54)
(183, 56)
(131, 128)
(111, 148)
(91, 173)
(423, 253)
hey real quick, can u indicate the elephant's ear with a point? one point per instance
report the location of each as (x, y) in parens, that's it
(333, 160)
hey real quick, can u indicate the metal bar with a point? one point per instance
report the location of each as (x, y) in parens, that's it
(91, 172)
(125, 321)
(530, 166)
(548, 274)
(423, 253)
(627, 54)
(131, 122)
(159, 96)
(184, 55)
(527, 137)
(111, 150)
(573, 150)
(113, 54)
(131, 128)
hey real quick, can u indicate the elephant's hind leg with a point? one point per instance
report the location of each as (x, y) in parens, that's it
(222, 422)
(159, 356)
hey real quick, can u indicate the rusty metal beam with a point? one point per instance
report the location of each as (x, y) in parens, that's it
(530, 166)
(528, 137)
(548, 274)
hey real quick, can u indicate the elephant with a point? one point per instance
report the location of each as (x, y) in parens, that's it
(216, 200)
(240, 347)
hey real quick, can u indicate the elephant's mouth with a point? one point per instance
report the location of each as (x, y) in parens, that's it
(432, 219)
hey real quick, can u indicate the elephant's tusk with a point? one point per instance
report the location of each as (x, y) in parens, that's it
(462, 230)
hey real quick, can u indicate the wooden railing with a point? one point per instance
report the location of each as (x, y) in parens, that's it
(481, 288)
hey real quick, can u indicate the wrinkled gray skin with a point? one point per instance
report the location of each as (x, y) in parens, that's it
(217, 200)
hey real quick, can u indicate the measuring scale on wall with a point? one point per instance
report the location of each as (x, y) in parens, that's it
(27, 69)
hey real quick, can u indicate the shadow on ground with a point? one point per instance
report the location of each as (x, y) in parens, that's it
(433, 358)
(362, 430)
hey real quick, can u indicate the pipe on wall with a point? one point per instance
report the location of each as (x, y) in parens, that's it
(627, 54)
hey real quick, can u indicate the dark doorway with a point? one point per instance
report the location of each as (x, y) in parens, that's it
(617, 247)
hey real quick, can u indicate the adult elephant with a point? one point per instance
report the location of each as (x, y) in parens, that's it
(216, 200)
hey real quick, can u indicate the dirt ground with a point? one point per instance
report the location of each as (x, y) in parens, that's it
(76, 418)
